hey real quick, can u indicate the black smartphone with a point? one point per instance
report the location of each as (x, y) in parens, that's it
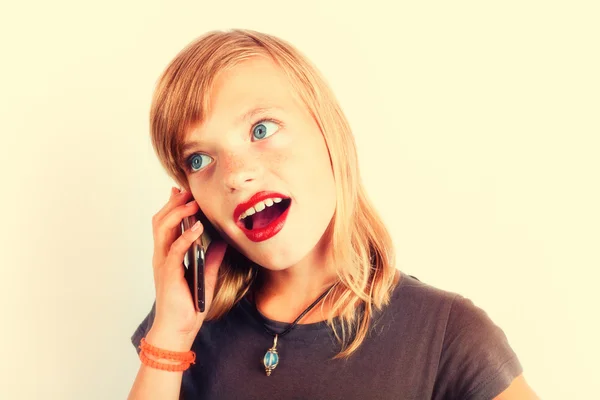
(194, 260)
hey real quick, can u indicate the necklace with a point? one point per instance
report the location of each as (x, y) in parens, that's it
(271, 358)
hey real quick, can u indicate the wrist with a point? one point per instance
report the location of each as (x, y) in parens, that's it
(169, 341)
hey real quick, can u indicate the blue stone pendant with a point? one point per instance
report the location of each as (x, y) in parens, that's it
(271, 358)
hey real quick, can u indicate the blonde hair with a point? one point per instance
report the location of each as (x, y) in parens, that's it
(361, 245)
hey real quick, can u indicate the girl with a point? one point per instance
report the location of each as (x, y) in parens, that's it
(303, 300)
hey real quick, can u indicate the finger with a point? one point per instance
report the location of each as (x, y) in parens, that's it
(170, 227)
(174, 192)
(168, 231)
(175, 200)
(177, 250)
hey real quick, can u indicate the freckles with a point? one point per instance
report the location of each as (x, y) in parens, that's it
(280, 151)
(280, 159)
(230, 162)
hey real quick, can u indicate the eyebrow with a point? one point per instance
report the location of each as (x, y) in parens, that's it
(247, 116)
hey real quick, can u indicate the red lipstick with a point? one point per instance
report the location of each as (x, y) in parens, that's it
(266, 232)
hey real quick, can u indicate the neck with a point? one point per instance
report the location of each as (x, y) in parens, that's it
(284, 294)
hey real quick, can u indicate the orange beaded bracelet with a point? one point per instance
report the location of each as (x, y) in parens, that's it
(185, 357)
(165, 367)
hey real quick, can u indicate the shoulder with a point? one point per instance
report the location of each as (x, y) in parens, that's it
(417, 311)
(419, 300)
(424, 301)
(438, 315)
(476, 360)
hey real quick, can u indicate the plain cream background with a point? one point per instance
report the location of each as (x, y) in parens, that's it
(477, 127)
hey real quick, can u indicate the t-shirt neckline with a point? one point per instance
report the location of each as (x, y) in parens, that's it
(280, 326)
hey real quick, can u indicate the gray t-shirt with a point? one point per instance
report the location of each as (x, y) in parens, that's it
(426, 344)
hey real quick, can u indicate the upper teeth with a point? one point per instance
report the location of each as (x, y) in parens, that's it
(261, 205)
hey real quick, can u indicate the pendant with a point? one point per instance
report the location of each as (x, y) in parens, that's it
(271, 358)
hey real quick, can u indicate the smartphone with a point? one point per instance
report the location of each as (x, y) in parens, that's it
(194, 260)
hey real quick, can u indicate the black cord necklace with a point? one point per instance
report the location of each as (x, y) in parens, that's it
(271, 358)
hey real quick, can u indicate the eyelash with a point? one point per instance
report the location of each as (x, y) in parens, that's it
(188, 159)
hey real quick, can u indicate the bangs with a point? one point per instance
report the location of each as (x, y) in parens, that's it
(183, 93)
(181, 100)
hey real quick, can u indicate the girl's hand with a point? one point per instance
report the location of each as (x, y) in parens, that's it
(176, 322)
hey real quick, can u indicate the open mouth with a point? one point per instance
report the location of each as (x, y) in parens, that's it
(265, 217)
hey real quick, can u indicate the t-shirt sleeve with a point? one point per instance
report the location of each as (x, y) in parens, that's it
(477, 362)
(143, 328)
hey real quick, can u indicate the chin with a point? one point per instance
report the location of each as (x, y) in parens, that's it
(290, 252)
(279, 260)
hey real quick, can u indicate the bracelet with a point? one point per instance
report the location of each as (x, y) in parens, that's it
(185, 357)
(165, 367)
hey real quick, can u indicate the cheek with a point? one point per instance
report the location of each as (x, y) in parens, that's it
(300, 158)
(313, 169)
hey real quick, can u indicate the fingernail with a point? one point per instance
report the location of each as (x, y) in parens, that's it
(190, 203)
(196, 226)
(174, 190)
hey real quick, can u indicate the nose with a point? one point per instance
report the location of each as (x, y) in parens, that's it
(239, 169)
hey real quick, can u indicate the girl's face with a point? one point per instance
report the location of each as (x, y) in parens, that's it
(258, 137)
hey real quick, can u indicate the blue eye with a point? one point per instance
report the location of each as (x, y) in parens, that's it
(264, 129)
(194, 162)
